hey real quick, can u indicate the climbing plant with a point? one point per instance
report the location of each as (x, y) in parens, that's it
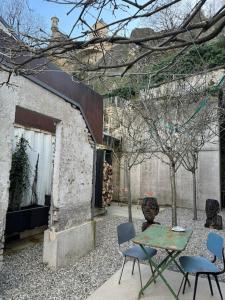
(199, 58)
(19, 174)
(126, 92)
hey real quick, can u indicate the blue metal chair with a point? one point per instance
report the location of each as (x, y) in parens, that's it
(126, 232)
(201, 265)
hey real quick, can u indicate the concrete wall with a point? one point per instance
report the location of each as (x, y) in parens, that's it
(63, 246)
(72, 178)
(116, 177)
(153, 177)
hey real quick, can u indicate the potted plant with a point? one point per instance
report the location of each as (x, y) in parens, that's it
(21, 218)
(19, 174)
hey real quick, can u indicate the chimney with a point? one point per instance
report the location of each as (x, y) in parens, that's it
(55, 22)
(103, 32)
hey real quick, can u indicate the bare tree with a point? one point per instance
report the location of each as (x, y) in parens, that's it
(176, 127)
(91, 37)
(171, 17)
(22, 19)
(191, 158)
(190, 163)
(206, 132)
(131, 130)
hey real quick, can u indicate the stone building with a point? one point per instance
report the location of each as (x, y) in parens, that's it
(90, 55)
(50, 103)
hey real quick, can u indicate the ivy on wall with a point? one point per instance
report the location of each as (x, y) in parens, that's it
(19, 174)
(199, 58)
(126, 92)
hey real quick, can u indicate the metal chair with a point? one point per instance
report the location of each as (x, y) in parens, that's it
(126, 232)
(201, 265)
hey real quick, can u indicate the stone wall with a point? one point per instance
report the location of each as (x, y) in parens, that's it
(73, 163)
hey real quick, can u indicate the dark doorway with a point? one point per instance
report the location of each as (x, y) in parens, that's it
(99, 178)
(108, 156)
(102, 155)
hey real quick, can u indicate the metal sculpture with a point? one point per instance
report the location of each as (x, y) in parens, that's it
(212, 209)
(150, 209)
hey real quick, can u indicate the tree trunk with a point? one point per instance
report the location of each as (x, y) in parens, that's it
(174, 194)
(194, 196)
(129, 193)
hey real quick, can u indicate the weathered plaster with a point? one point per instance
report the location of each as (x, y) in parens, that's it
(72, 179)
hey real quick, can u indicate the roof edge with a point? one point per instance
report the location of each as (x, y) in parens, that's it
(67, 99)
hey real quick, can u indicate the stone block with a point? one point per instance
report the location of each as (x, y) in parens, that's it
(60, 248)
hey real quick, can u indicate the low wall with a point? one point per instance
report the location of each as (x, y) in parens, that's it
(70, 244)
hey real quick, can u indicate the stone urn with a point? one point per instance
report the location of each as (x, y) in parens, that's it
(150, 209)
(213, 220)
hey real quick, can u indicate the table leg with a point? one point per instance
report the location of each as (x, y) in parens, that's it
(159, 269)
(178, 266)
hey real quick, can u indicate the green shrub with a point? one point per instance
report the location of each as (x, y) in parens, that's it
(19, 174)
(199, 58)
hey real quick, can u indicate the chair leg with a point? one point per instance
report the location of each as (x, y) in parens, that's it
(218, 285)
(181, 285)
(185, 281)
(124, 261)
(139, 272)
(196, 283)
(133, 266)
(210, 284)
(188, 281)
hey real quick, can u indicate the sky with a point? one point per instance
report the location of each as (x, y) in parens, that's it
(47, 10)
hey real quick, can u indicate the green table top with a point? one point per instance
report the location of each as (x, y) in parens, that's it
(158, 236)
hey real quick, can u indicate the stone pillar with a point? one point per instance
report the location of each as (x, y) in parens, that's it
(71, 232)
(55, 22)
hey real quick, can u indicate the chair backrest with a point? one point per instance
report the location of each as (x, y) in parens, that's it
(125, 232)
(215, 244)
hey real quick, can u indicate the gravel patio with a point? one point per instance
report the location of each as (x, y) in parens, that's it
(25, 277)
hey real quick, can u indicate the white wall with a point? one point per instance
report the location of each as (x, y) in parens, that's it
(153, 176)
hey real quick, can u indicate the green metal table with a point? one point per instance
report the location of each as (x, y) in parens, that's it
(158, 236)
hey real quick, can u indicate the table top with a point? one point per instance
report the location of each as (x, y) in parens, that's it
(159, 236)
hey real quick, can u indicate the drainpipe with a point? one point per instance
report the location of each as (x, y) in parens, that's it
(93, 180)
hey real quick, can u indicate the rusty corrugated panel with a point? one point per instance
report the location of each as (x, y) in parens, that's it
(89, 102)
(33, 119)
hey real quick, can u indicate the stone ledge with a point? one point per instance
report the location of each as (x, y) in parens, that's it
(70, 244)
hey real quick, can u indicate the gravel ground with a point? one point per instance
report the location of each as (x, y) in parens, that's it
(25, 277)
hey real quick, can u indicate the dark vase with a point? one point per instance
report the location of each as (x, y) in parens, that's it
(150, 209)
